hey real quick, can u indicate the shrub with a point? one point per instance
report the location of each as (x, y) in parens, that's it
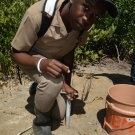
(11, 12)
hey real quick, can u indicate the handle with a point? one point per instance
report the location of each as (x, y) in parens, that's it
(111, 105)
(112, 129)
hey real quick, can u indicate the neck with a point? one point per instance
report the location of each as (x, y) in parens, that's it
(64, 12)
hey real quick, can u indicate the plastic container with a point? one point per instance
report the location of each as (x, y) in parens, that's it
(120, 115)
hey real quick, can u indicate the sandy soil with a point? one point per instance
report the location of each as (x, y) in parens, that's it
(16, 105)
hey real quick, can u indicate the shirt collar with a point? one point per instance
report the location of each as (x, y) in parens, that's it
(57, 20)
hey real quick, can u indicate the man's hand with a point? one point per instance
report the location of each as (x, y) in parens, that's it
(53, 67)
(71, 92)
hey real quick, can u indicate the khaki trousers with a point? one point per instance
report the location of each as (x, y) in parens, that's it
(48, 97)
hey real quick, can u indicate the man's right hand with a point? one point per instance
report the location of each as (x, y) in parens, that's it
(53, 67)
(50, 66)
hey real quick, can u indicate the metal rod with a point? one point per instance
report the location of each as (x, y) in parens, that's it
(68, 111)
(63, 92)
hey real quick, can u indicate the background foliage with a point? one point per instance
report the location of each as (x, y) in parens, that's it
(107, 35)
(11, 13)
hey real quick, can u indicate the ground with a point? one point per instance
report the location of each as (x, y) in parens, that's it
(16, 105)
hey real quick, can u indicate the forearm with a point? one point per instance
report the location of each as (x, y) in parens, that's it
(52, 67)
(68, 60)
(67, 78)
(23, 59)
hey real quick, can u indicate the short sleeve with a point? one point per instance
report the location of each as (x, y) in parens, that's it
(26, 34)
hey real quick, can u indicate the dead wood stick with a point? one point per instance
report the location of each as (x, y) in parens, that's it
(118, 55)
(20, 133)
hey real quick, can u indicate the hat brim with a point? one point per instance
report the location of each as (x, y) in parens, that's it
(111, 8)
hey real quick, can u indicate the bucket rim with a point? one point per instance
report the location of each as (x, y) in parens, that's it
(118, 100)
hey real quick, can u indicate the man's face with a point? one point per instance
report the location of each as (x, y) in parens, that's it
(83, 15)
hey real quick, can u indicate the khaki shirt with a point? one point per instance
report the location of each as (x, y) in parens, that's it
(55, 43)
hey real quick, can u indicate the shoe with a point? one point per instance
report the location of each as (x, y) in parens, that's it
(42, 130)
(42, 123)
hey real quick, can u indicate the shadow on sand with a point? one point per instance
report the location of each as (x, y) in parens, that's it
(116, 78)
(30, 106)
(77, 107)
(101, 115)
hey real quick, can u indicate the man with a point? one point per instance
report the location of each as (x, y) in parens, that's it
(49, 62)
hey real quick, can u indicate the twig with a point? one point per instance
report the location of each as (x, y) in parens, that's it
(89, 84)
(96, 98)
(20, 133)
(89, 87)
(118, 56)
(1, 87)
(103, 57)
(84, 90)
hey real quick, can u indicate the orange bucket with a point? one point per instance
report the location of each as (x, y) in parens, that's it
(120, 112)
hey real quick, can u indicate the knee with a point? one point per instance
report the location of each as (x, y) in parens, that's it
(56, 84)
(50, 87)
(47, 92)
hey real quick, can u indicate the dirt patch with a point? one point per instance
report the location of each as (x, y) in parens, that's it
(16, 106)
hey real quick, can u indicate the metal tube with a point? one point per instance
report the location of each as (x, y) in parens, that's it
(68, 111)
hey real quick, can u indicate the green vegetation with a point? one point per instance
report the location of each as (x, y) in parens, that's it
(107, 35)
(11, 12)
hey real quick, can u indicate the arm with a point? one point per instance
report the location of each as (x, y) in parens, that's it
(68, 61)
(50, 66)
(23, 59)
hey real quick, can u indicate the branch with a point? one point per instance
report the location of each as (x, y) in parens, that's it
(118, 55)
